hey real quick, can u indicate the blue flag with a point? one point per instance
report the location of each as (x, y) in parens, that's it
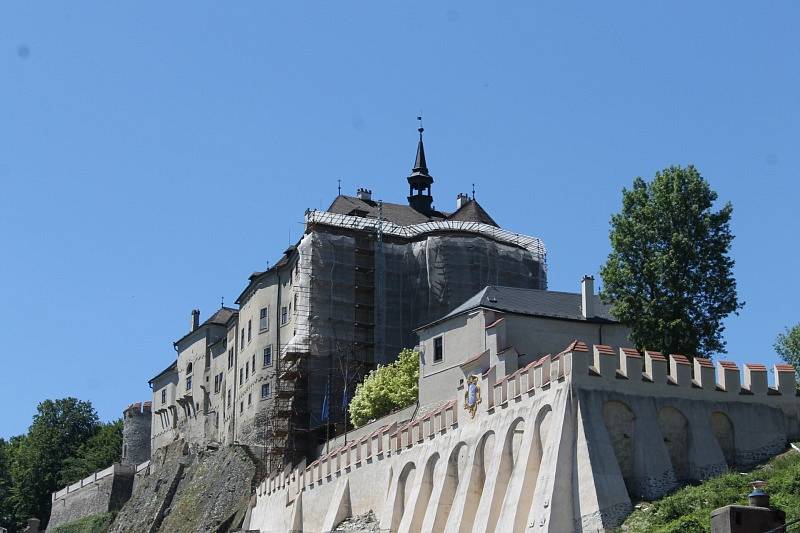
(325, 407)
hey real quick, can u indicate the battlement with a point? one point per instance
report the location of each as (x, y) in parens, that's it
(101, 492)
(587, 409)
(387, 440)
(138, 409)
(626, 370)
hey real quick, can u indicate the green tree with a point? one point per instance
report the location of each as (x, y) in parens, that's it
(787, 345)
(386, 389)
(669, 275)
(103, 449)
(6, 511)
(59, 428)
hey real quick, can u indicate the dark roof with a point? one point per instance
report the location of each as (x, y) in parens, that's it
(405, 215)
(400, 214)
(473, 212)
(255, 276)
(532, 302)
(220, 318)
(171, 368)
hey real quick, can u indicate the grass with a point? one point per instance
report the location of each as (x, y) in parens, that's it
(96, 523)
(688, 510)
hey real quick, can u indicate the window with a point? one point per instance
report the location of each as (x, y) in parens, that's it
(230, 358)
(265, 390)
(163, 395)
(218, 382)
(242, 344)
(263, 319)
(253, 364)
(229, 398)
(249, 399)
(284, 315)
(188, 382)
(295, 302)
(241, 376)
(249, 330)
(241, 407)
(268, 356)
(438, 349)
(247, 370)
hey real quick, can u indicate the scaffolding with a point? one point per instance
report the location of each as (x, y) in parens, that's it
(360, 288)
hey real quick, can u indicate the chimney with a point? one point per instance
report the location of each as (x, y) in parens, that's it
(195, 320)
(587, 296)
(461, 199)
(364, 194)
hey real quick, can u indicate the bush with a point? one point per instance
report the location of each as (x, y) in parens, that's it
(386, 389)
(689, 509)
(96, 523)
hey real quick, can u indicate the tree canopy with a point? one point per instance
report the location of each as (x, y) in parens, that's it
(386, 389)
(65, 442)
(787, 345)
(669, 275)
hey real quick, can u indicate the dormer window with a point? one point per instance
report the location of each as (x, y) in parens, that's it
(358, 213)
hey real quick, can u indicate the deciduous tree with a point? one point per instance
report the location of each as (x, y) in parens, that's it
(669, 275)
(386, 389)
(787, 345)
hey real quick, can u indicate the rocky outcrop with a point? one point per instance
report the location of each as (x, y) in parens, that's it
(189, 490)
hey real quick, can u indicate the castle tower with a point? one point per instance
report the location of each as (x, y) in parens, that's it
(136, 422)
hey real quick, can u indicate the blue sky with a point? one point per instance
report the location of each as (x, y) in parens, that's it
(153, 154)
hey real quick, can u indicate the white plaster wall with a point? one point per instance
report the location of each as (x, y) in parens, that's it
(546, 452)
(463, 337)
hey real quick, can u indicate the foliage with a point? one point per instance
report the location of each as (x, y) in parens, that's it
(386, 389)
(787, 345)
(34, 461)
(669, 275)
(96, 523)
(102, 449)
(6, 512)
(689, 509)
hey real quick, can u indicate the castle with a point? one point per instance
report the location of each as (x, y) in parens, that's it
(279, 371)
(533, 414)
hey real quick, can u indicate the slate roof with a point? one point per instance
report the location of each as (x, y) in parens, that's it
(405, 215)
(473, 212)
(220, 318)
(171, 368)
(532, 302)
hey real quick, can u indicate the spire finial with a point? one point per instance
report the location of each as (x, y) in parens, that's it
(419, 191)
(473, 191)
(340, 186)
(222, 301)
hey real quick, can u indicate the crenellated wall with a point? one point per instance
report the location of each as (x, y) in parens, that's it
(567, 443)
(103, 491)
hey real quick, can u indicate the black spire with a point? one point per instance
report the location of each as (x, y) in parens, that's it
(419, 191)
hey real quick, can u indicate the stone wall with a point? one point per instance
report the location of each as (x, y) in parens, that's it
(136, 423)
(567, 443)
(103, 491)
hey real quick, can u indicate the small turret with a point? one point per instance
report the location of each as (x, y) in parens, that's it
(136, 423)
(420, 181)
